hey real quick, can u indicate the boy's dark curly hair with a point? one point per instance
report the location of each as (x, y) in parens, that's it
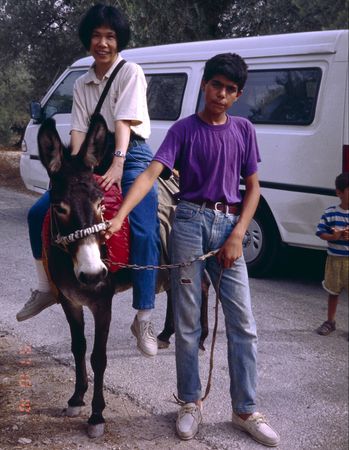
(230, 65)
(342, 181)
(102, 15)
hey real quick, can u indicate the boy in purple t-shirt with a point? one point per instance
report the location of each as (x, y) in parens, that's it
(212, 151)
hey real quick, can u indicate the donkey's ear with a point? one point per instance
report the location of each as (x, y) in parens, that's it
(95, 145)
(50, 146)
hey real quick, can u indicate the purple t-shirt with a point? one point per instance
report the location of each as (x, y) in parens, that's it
(210, 158)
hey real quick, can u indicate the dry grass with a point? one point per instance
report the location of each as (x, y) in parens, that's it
(9, 169)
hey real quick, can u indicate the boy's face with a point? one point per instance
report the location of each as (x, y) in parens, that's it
(344, 197)
(220, 93)
(104, 46)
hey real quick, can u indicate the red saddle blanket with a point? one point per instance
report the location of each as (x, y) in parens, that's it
(118, 246)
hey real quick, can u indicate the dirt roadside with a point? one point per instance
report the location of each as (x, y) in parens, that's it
(34, 388)
(9, 169)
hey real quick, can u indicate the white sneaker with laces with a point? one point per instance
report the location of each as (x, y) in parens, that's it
(188, 421)
(38, 301)
(143, 331)
(258, 428)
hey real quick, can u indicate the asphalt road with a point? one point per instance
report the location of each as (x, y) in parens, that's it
(303, 377)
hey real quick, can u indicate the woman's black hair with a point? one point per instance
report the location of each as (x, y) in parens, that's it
(230, 65)
(102, 15)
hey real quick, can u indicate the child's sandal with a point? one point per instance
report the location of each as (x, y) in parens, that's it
(326, 328)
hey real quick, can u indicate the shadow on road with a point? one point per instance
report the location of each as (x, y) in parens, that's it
(300, 264)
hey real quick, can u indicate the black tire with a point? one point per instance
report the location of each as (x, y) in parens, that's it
(262, 244)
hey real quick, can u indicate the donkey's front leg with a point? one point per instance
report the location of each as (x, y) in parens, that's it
(164, 337)
(75, 319)
(102, 316)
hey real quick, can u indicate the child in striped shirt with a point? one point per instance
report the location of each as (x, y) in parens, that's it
(334, 228)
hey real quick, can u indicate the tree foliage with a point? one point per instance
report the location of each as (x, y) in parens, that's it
(15, 86)
(171, 21)
(258, 17)
(38, 38)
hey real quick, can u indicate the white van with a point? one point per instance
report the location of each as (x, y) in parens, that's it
(296, 96)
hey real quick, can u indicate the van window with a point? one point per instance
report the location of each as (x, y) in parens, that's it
(283, 96)
(61, 100)
(165, 95)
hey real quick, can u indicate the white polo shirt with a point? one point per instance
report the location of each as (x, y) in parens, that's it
(126, 99)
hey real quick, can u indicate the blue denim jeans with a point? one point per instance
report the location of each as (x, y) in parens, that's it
(36, 216)
(196, 231)
(144, 225)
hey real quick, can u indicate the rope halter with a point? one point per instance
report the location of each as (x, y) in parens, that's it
(80, 234)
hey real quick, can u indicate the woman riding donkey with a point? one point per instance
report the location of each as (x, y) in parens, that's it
(104, 31)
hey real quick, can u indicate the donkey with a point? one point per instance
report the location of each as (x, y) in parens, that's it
(76, 267)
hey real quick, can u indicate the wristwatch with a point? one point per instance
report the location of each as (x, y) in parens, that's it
(119, 154)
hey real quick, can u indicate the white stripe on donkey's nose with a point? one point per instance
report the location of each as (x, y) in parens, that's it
(88, 264)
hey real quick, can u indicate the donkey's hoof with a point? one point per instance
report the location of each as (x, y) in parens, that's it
(95, 431)
(163, 344)
(72, 411)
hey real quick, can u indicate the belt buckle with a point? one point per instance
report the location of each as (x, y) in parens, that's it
(220, 203)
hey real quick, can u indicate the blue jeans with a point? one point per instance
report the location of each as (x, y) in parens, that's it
(36, 216)
(196, 231)
(144, 225)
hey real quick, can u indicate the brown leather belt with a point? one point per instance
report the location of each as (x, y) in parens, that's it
(220, 206)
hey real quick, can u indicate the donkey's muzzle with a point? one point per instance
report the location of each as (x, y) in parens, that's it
(93, 278)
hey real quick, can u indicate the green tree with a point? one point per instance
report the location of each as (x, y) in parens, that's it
(42, 35)
(15, 86)
(169, 21)
(258, 17)
(38, 38)
(321, 15)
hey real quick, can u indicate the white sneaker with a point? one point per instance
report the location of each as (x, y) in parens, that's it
(146, 340)
(258, 428)
(188, 421)
(38, 301)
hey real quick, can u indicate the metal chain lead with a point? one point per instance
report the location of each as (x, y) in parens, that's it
(162, 266)
(79, 234)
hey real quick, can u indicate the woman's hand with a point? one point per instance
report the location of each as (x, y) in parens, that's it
(113, 175)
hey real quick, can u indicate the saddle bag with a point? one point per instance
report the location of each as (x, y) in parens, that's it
(118, 246)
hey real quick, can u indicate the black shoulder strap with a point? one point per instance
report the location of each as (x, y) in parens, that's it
(107, 86)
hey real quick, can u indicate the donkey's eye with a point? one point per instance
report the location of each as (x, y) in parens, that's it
(60, 209)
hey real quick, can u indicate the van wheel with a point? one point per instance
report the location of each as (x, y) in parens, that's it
(261, 244)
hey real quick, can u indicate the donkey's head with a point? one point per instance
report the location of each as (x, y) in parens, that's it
(76, 198)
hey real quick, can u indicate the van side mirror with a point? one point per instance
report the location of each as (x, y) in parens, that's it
(35, 111)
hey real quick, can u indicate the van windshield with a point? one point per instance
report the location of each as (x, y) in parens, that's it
(61, 100)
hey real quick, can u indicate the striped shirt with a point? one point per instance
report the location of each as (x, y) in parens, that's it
(334, 217)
